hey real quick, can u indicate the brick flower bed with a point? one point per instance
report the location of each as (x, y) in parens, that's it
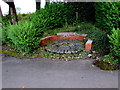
(67, 35)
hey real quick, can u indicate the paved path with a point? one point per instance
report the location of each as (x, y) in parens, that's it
(45, 73)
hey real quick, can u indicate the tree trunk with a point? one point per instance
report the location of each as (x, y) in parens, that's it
(38, 4)
(12, 12)
(1, 12)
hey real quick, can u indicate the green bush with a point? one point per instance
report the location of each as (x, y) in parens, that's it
(107, 15)
(109, 59)
(0, 36)
(54, 15)
(107, 63)
(115, 42)
(5, 23)
(61, 13)
(23, 36)
(98, 36)
(3, 36)
(118, 5)
(6, 20)
(22, 17)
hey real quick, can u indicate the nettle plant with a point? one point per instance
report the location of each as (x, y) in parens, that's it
(115, 42)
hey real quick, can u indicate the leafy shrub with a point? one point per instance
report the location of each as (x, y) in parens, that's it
(6, 20)
(3, 36)
(5, 23)
(109, 59)
(54, 15)
(118, 5)
(115, 42)
(0, 36)
(23, 36)
(107, 15)
(0, 31)
(22, 17)
(61, 12)
(107, 63)
(99, 37)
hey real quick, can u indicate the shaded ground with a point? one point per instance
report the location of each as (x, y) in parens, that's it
(45, 73)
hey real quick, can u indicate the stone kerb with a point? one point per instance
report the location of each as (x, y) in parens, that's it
(67, 35)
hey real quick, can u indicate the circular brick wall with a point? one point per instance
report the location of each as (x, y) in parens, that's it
(59, 36)
(67, 35)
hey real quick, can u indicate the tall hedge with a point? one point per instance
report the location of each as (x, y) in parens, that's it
(118, 5)
(53, 15)
(107, 15)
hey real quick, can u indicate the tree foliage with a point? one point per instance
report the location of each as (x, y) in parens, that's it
(106, 15)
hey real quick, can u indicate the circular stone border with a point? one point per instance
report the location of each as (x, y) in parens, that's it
(70, 47)
(67, 35)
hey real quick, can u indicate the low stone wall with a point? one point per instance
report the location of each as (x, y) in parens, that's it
(67, 35)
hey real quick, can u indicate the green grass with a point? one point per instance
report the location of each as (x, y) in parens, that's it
(66, 44)
(58, 30)
(80, 28)
(106, 66)
(109, 59)
(107, 62)
(11, 53)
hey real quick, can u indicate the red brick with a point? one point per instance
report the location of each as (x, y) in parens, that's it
(59, 37)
